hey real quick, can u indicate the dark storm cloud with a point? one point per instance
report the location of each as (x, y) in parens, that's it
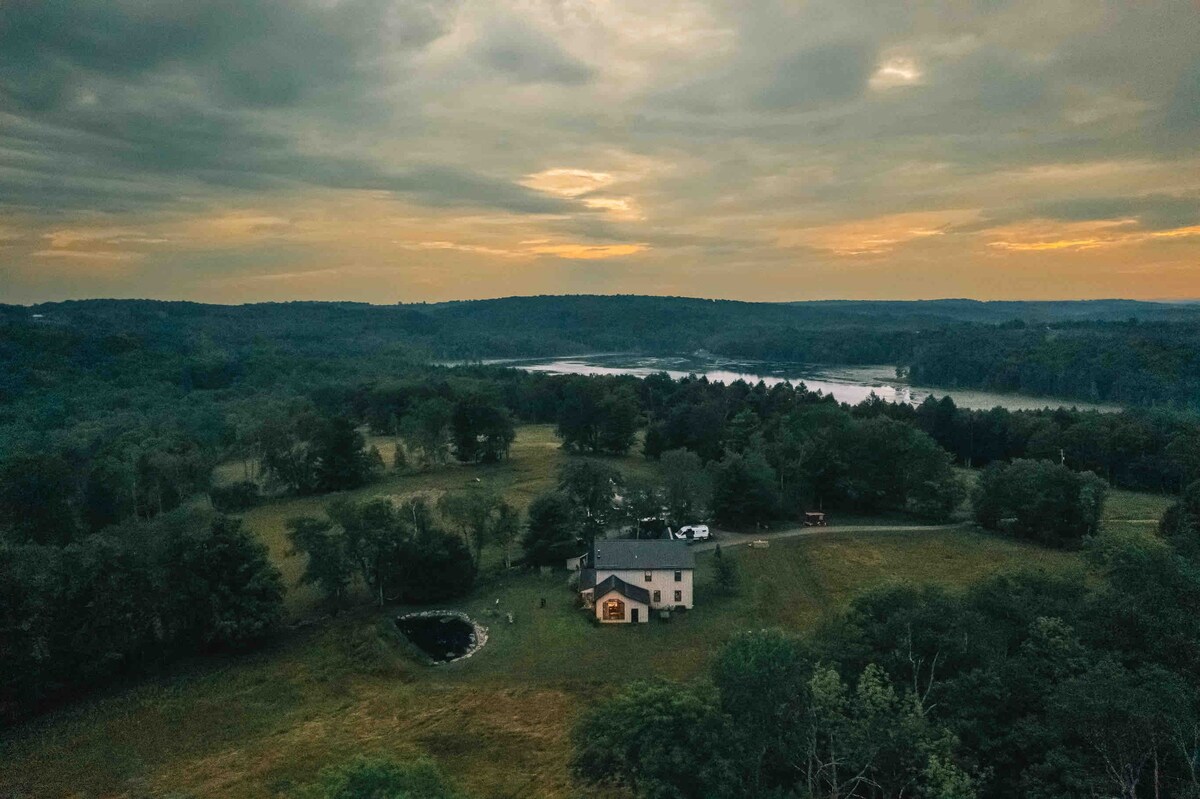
(260, 52)
(113, 105)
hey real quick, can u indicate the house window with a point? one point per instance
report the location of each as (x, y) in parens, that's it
(658, 597)
(614, 610)
(678, 596)
(649, 576)
(679, 577)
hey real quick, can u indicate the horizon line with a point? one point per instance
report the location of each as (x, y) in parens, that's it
(581, 295)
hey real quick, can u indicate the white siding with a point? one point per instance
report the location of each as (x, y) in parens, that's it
(661, 580)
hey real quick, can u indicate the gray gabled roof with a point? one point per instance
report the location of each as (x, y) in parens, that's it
(633, 554)
(615, 583)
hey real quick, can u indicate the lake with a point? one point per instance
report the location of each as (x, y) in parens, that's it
(851, 384)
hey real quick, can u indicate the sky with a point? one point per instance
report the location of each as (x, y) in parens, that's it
(420, 150)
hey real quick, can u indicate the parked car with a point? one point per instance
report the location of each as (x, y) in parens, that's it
(815, 519)
(693, 532)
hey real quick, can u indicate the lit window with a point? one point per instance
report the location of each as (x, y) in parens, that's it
(614, 610)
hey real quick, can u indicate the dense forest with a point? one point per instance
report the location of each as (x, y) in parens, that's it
(1115, 351)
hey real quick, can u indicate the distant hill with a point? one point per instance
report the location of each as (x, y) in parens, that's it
(1141, 353)
(1026, 310)
(549, 325)
(907, 314)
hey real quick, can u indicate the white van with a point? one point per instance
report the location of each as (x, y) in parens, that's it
(692, 532)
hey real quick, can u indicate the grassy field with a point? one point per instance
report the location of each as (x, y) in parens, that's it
(531, 469)
(265, 724)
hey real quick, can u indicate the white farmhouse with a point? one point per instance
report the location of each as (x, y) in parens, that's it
(623, 580)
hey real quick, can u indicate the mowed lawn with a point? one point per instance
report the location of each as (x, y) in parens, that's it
(265, 724)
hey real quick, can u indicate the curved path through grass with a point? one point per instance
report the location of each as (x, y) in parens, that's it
(731, 538)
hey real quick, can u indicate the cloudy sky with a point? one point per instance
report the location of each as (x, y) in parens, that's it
(404, 150)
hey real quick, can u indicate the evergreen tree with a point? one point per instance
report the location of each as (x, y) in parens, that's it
(551, 532)
(687, 487)
(224, 589)
(618, 422)
(725, 572)
(340, 460)
(744, 489)
(578, 414)
(742, 432)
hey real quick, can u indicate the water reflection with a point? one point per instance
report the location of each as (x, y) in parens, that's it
(851, 384)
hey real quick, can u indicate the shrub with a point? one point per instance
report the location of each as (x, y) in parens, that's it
(379, 778)
(725, 573)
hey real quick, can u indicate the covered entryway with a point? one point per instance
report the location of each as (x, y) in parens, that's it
(618, 602)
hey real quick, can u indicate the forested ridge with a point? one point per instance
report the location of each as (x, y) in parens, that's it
(1107, 351)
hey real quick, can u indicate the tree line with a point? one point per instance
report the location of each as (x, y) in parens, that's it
(1144, 450)
(1133, 362)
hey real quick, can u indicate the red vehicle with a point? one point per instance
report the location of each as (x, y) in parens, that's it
(815, 519)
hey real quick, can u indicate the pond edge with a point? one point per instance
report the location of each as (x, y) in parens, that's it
(479, 634)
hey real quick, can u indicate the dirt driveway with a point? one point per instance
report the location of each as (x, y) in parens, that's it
(729, 538)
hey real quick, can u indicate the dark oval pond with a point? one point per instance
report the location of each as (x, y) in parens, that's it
(442, 638)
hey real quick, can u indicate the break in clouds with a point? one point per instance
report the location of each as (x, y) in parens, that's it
(384, 150)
